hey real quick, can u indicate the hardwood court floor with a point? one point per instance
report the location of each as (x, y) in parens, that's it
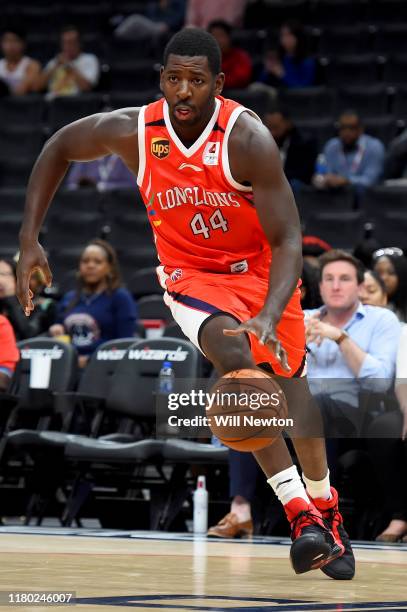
(168, 572)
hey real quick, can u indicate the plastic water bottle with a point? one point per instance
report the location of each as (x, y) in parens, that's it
(320, 171)
(166, 378)
(200, 500)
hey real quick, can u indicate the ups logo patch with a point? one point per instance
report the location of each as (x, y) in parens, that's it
(160, 147)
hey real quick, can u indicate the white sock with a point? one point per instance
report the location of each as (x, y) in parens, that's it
(318, 488)
(287, 485)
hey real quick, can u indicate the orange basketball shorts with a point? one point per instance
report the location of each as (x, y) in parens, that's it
(194, 296)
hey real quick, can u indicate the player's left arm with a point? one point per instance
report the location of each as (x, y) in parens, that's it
(254, 158)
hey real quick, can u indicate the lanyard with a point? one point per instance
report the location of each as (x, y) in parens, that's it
(106, 167)
(357, 160)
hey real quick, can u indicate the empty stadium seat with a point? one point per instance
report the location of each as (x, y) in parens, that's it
(387, 11)
(368, 100)
(153, 307)
(131, 230)
(351, 69)
(331, 13)
(341, 229)
(311, 201)
(73, 201)
(65, 109)
(257, 101)
(122, 99)
(22, 111)
(391, 228)
(18, 142)
(134, 75)
(400, 103)
(78, 229)
(382, 198)
(252, 41)
(132, 259)
(144, 282)
(122, 202)
(384, 128)
(15, 172)
(344, 40)
(321, 130)
(391, 39)
(395, 69)
(12, 200)
(132, 394)
(9, 227)
(308, 103)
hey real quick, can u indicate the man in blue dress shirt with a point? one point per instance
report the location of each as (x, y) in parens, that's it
(353, 158)
(351, 347)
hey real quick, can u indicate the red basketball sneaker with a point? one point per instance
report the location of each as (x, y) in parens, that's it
(314, 545)
(342, 568)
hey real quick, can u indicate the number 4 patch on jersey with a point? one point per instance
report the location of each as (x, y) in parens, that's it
(210, 155)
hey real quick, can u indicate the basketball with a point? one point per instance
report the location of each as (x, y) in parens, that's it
(248, 410)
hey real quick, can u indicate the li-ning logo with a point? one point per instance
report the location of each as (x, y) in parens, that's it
(160, 147)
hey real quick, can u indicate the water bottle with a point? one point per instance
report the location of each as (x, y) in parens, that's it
(200, 501)
(320, 171)
(166, 378)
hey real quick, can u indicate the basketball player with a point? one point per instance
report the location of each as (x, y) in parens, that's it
(219, 204)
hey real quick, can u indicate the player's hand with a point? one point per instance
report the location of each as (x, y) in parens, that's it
(264, 328)
(32, 257)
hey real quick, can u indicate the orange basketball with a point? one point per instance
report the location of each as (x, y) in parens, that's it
(247, 410)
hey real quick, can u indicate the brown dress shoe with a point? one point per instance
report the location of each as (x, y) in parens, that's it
(229, 527)
(388, 537)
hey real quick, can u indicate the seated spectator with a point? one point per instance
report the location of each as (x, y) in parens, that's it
(298, 154)
(200, 14)
(18, 72)
(353, 158)
(347, 340)
(9, 355)
(44, 313)
(387, 445)
(310, 296)
(289, 66)
(100, 309)
(395, 164)
(373, 290)
(71, 71)
(160, 18)
(312, 248)
(236, 63)
(392, 269)
(104, 174)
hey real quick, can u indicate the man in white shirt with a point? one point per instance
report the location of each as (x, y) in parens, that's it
(71, 71)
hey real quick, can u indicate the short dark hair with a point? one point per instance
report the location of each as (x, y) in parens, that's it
(339, 255)
(16, 29)
(351, 112)
(221, 24)
(195, 42)
(70, 27)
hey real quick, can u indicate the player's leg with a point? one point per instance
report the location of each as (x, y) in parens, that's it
(309, 445)
(314, 544)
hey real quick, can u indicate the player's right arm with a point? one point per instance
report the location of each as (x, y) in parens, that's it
(84, 140)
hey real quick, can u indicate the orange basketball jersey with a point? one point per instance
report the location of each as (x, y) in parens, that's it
(201, 217)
